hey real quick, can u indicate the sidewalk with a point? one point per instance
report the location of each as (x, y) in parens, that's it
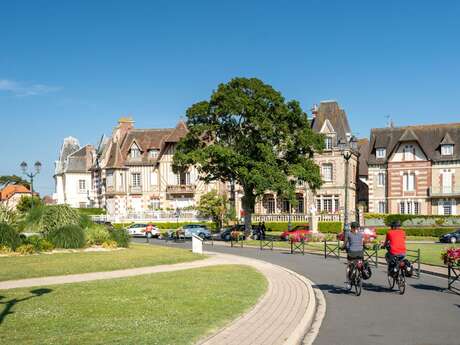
(288, 311)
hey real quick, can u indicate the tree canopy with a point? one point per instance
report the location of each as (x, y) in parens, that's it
(213, 205)
(6, 180)
(247, 133)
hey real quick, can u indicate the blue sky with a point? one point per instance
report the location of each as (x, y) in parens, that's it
(73, 68)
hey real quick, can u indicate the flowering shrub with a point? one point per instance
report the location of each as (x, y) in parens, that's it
(451, 256)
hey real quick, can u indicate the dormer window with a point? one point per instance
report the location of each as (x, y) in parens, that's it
(328, 143)
(447, 149)
(380, 153)
(153, 153)
(135, 152)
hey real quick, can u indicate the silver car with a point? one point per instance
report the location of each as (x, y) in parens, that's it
(196, 229)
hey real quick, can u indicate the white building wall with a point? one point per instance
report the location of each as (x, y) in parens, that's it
(73, 196)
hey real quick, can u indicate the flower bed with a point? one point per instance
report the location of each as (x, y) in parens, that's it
(451, 256)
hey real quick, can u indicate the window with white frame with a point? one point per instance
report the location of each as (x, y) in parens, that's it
(380, 152)
(327, 172)
(409, 152)
(447, 149)
(153, 153)
(408, 182)
(269, 204)
(381, 179)
(136, 179)
(134, 152)
(82, 185)
(382, 207)
(109, 180)
(328, 143)
(327, 203)
(409, 207)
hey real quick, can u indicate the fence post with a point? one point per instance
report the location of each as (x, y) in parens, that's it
(325, 248)
(338, 250)
(418, 262)
(376, 257)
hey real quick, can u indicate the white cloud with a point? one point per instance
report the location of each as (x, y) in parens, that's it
(25, 89)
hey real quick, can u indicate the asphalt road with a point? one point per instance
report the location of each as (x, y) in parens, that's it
(427, 314)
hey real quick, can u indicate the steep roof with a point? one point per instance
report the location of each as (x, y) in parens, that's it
(330, 110)
(146, 140)
(12, 189)
(363, 149)
(429, 137)
(80, 160)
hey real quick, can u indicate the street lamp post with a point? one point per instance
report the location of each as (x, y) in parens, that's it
(347, 147)
(31, 175)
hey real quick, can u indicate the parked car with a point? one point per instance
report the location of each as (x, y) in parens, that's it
(369, 234)
(451, 237)
(226, 232)
(298, 231)
(144, 230)
(196, 229)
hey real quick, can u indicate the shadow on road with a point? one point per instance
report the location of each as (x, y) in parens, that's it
(334, 289)
(12, 302)
(375, 288)
(428, 287)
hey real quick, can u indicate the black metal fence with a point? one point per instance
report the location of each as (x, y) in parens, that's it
(453, 276)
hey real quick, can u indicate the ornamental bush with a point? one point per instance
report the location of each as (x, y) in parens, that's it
(68, 236)
(9, 237)
(96, 234)
(121, 237)
(427, 231)
(25, 249)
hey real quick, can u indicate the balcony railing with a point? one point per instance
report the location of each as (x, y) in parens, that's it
(181, 189)
(439, 192)
(135, 189)
(297, 217)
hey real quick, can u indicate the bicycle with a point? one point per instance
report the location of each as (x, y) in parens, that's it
(397, 274)
(355, 275)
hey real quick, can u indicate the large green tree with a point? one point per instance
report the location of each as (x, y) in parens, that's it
(248, 133)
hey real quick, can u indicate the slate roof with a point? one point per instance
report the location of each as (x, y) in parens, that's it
(145, 139)
(363, 149)
(80, 160)
(429, 137)
(331, 111)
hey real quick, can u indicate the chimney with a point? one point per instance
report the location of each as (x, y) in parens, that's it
(125, 124)
(314, 110)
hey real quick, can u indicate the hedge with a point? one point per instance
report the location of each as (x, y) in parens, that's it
(412, 219)
(91, 211)
(433, 232)
(330, 227)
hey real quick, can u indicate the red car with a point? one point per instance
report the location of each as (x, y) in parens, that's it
(369, 233)
(298, 231)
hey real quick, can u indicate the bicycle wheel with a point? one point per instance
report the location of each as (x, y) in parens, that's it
(358, 283)
(401, 283)
(391, 282)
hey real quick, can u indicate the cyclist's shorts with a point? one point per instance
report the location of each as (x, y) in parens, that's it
(355, 255)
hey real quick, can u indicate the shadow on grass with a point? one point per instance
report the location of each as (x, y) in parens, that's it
(12, 302)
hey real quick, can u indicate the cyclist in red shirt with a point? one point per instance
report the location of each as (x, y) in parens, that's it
(395, 242)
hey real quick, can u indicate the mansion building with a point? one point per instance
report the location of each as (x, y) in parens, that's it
(415, 170)
(131, 172)
(331, 121)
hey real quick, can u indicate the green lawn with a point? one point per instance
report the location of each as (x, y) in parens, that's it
(165, 308)
(138, 255)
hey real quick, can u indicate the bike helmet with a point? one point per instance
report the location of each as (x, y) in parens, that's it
(354, 225)
(395, 224)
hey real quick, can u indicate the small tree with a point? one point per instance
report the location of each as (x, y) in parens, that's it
(248, 134)
(213, 205)
(26, 202)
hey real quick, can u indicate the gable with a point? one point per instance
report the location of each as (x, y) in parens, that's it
(407, 151)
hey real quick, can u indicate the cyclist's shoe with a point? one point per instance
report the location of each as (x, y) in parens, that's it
(347, 286)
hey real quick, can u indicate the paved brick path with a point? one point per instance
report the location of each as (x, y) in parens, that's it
(284, 315)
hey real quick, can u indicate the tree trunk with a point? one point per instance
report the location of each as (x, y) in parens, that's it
(248, 201)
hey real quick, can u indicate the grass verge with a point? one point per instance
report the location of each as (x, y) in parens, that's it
(165, 308)
(137, 255)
